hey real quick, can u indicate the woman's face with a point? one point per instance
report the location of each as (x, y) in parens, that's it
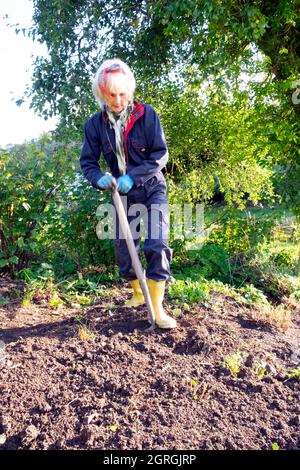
(117, 99)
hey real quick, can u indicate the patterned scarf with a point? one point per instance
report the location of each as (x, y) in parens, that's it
(118, 122)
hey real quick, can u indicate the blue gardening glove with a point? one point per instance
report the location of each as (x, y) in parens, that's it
(106, 182)
(125, 184)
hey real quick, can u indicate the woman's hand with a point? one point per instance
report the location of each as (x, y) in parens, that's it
(125, 184)
(106, 182)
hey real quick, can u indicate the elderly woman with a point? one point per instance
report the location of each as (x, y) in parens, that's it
(129, 136)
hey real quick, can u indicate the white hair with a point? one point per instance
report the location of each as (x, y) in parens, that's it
(112, 81)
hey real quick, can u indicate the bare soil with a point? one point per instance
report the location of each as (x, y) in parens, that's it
(123, 388)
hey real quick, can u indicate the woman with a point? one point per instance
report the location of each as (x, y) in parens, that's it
(130, 137)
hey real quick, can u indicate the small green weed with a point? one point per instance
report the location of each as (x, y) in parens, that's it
(113, 428)
(294, 374)
(260, 368)
(233, 362)
(78, 318)
(3, 301)
(55, 301)
(250, 295)
(196, 388)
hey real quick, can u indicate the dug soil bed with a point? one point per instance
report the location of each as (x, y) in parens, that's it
(92, 378)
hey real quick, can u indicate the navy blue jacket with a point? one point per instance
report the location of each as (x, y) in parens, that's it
(144, 143)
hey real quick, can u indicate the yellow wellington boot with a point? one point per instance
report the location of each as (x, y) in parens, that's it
(157, 292)
(138, 296)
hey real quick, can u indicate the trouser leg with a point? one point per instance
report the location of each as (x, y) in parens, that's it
(156, 249)
(155, 213)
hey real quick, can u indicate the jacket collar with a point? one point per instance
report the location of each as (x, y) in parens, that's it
(137, 112)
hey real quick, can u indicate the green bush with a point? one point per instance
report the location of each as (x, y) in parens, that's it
(70, 239)
(48, 210)
(32, 179)
(242, 231)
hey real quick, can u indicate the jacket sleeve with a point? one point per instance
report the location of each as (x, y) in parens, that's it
(90, 154)
(159, 155)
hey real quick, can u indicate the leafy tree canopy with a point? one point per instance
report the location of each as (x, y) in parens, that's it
(178, 46)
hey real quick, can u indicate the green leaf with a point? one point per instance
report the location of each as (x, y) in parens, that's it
(4, 301)
(26, 303)
(26, 206)
(113, 428)
(46, 266)
(55, 302)
(20, 242)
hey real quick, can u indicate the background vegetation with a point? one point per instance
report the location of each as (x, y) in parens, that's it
(223, 77)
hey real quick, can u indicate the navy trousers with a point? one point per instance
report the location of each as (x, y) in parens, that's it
(150, 203)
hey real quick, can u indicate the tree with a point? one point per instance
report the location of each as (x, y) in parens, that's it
(154, 36)
(220, 39)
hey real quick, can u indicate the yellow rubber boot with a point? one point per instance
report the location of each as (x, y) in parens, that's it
(138, 296)
(157, 292)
